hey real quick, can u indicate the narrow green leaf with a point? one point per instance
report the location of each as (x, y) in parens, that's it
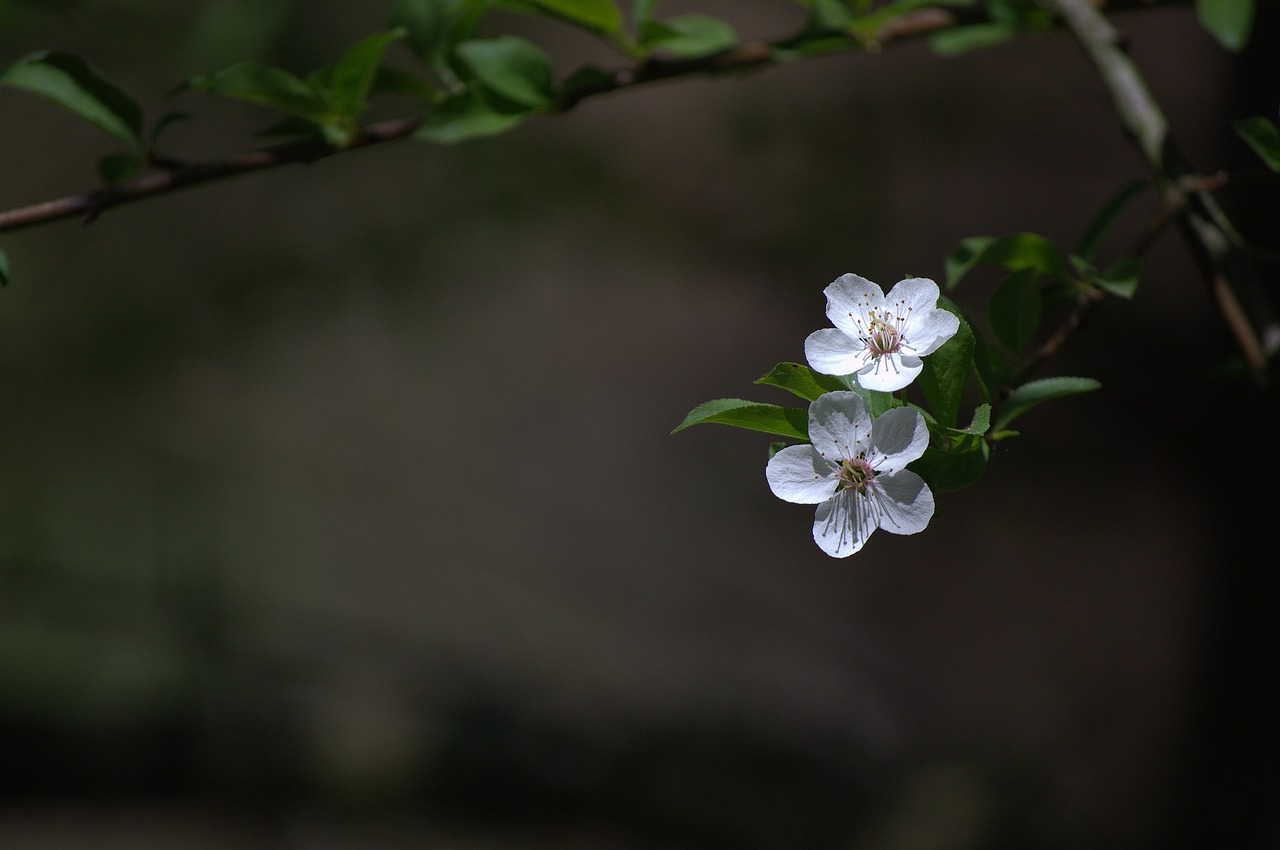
(1263, 136)
(785, 421)
(869, 22)
(471, 114)
(947, 370)
(1015, 309)
(1107, 218)
(964, 39)
(165, 122)
(71, 82)
(510, 66)
(801, 380)
(354, 73)
(265, 85)
(4, 269)
(1034, 393)
(600, 16)
(1229, 21)
(688, 36)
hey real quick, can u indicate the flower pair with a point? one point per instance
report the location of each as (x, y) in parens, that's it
(854, 467)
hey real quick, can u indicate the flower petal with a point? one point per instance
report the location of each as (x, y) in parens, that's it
(890, 372)
(917, 294)
(901, 436)
(832, 352)
(839, 425)
(905, 502)
(927, 331)
(842, 525)
(799, 474)
(849, 298)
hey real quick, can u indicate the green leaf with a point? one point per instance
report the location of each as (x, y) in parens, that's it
(828, 16)
(981, 422)
(868, 24)
(354, 73)
(71, 82)
(433, 26)
(877, 401)
(1026, 251)
(1107, 218)
(1015, 309)
(516, 69)
(471, 114)
(965, 256)
(4, 269)
(787, 421)
(689, 36)
(947, 370)
(1034, 393)
(992, 367)
(1120, 278)
(964, 39)
(1228, 20)
(1020, 251)
(947, 472)
(600, 16)
(801, 380)
(265, 85)
(641, 10)
(1263, 136)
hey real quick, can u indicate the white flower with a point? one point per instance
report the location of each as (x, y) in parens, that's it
(880, 338)
(855, 472)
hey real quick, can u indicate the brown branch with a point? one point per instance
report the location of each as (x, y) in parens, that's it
(759, 54)
(1085, 302)
(743, 58)
(1217, 248)
(90, 204)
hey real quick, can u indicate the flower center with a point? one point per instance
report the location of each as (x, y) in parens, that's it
(855, 474)
(884, 337)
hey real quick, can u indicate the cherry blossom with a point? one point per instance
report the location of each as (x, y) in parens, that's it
(855, 472)
(877, 337)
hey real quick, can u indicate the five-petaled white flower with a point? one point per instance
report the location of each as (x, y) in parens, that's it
(855, 472)
(880, 338)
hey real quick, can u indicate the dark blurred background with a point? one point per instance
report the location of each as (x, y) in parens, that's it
(338, 507)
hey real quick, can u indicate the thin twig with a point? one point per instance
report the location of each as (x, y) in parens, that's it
(1217, 248)
(90, 204)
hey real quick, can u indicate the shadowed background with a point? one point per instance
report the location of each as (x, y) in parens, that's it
(338, 506)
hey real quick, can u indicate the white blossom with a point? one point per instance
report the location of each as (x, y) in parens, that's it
(855, 472)
(880, 338)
